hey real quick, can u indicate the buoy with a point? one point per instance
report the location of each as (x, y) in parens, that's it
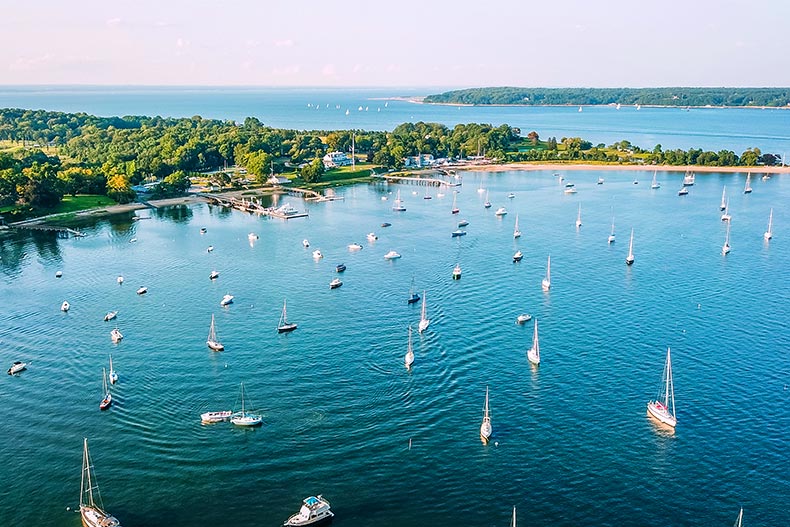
(496, 443)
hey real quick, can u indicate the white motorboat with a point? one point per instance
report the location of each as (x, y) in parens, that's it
(252, 236)
(518, 256)
(770, 232)
(315, 510)
(65, 306)
(91, 510)
(214, 275)
(424, 321)
(212, 341)
(663, 407)
(463, 223)
(408, 360)
(392, 255)
(457, 272)
(600, 181)
(516, 231)
(317, 254)
(305, 243)
(523, 318)
(116, 335)
(226, 300)
(16, 367)
(629, 260)
(533, 354)
(511, 196)
(335, 283)
(210, 248)
(111, 315)
(113, 374)
(683, 191)
(354, 247)
(119, 279)
(501, 211)
(372, 237)
(215, 417)
(142, 290)
(245, 418)
(458, 232)
(688, 179)
(485, 426)
(570, 190)
(58, 274)
(546, 282)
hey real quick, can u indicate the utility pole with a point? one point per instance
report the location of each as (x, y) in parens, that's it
(353, 156)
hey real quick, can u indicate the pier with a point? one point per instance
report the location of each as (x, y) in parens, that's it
(63, 232)
(284, 213)
(422, 181)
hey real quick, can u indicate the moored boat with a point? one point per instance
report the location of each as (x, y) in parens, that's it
(215, 417)
(16, 367)
(392, 255)
(91, 507)
(458, 232)
(317, 254)
(629, 260)
(662, 407)
(408, 360)
(214, 275)
(523, 318)
(106, 402)
(545, 284)
(315, 511)
(212, 341)
(485, 427)
(457, 272)
(533, 354)
(354, 247)
(226, 300)
(243, 417)
(768, 234)
(518, 256)
(116, 335)
(283, 326)
(111, 315)
(113, 374)
(335, 283)
(142, 290)
(372, 237)
(424, 321)
(65, 306)
(501, 211)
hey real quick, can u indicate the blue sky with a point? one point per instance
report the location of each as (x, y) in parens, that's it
(404, 43)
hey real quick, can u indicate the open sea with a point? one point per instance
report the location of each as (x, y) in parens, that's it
(342, 417)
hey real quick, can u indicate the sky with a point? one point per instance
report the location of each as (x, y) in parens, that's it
(407, 43)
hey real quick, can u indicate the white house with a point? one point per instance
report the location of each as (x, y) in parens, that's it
(336, 159)
(421, 160)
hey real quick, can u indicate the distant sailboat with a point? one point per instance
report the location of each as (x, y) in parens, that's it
(629, 260)
(413, 296)
(409, 359)
(211, 341)
(723, 204)
(611, 235)
(654, 184)
(726, 216)
(284, 326)
(516, 232)
(107, 400)
(398, 204)
(579, 217)
(485, 426)
(663, 407)
(748, 188)
(113, 373)
(725, 249)
(455, 209)
(424, 322)
(534, 352)
(546, 283)
(487, 203)
(770, 232)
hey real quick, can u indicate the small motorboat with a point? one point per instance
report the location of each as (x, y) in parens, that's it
(119, 279)
(518, 256)
(511, 196)
(457, 272)
(523, 318)
(203, 230)
(463, 223)
(335, 283)
(16, 367)
(210, 248)
(501, 211)
(372, 237)
(305, 243)
(317, 254)
(213, 275)
(252, 236)
(111, 315)
(354, 247)
(570, 190)
(133, 240)
(392, 255)
(315, 510)
(226, 300)
(65, 306)
(215, 417)
(143, 290)
(385, 224)
(339, 268)
(458, 232)
(683, 191)
(58, 274)
(116, 335)
(600, 181)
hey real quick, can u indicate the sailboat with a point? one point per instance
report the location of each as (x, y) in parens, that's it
(655, 184)
(723, 204)
(739, 520)
(726, 216)
(113, 373)
(748, 188)
(663, 407)
(211, 341)
(284, 326)
(91, 507)
(546, 282)
(611, 235)
(398, 204)
(107, 401)
(485, 426)
(516, 232)
(726, 247)
(409, 359)
(770, 232)
(487, 203)
(629, 260)
(579, 217)
(424, 322)
(413, 296)
(513, 521)
(244, 418)
(455, 209)
(533, 354)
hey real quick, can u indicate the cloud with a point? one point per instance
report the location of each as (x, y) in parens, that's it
(30, 63)
(113, 22)
(287, 43)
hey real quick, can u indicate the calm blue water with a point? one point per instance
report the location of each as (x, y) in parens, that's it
(325, 109)
(573, 444)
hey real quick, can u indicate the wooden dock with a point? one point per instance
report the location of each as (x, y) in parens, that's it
(253, 207)
(454, 180)
(63, 232)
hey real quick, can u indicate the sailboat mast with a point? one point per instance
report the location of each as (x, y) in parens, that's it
(631, 244)
(669, 392)
(486, 408)
(422, 314)
(535, 343)
(548, 269)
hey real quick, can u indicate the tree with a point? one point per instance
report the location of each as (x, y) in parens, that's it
(259, 164)
(312, 172)
(120, 189)
(41, 187)
(750, 157)
(533, 137)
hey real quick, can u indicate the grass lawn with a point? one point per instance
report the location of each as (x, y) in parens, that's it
(68, 205)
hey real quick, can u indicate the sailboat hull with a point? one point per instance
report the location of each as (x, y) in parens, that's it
(215, 346)
(286, 328)
(657, 411)
(95, 517)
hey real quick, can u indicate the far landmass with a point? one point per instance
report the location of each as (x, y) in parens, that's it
(735, 97)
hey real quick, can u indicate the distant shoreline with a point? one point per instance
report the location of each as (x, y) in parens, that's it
(421, 100)
(559, 167)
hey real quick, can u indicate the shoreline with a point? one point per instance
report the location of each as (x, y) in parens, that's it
(420, 99)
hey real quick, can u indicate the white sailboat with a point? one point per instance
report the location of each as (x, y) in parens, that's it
(113, 373)
(107, 400)
(244, 418)
(663, 407)
(725, 249)
(533, 354)
(398, 204)
(611, 235)
(654, 184)
(485, 426)
(748, 188)
(739, 520)
(487, 203)
(424, 322)
(91, 507)
(455, 209)
(516, 232)
(284, 326)
(629, 260)
(770, 232)
(726, 216)
(579, 217)
(546, 282)
(211, 341)
(513, 521)
(723, 204)
(409, 358)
